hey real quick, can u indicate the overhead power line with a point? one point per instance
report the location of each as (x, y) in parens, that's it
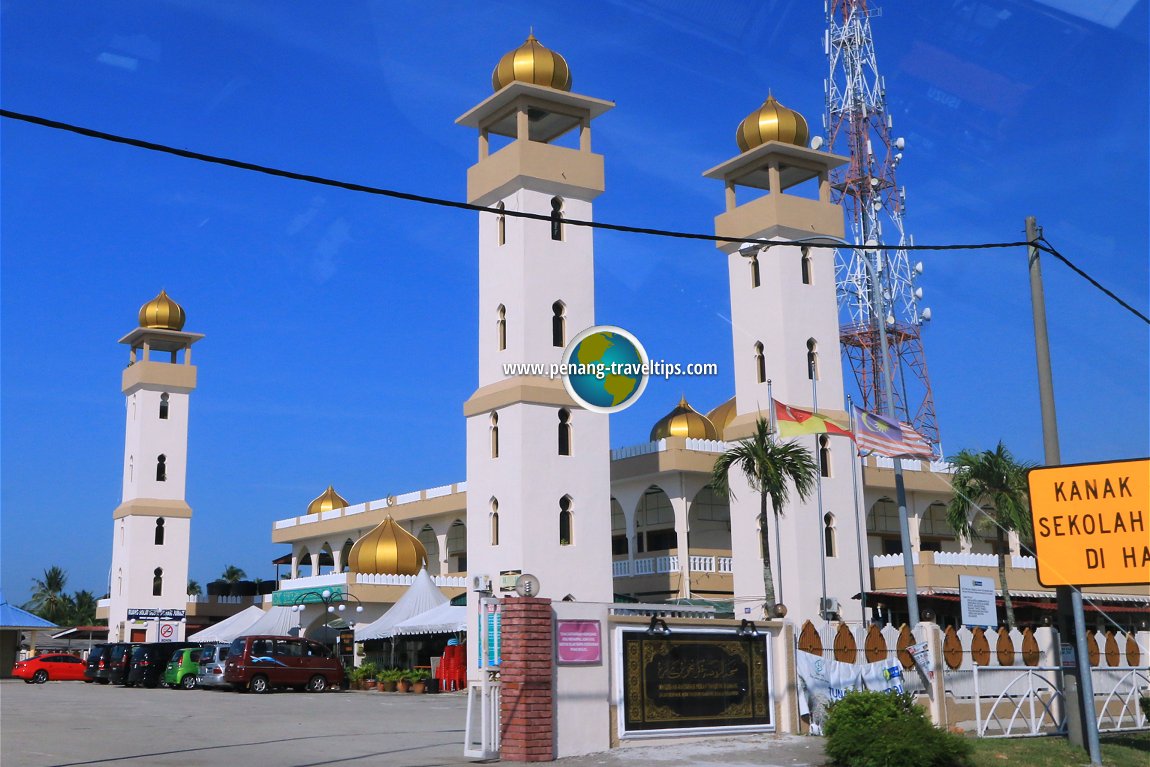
(1044, 244)
(442, 202)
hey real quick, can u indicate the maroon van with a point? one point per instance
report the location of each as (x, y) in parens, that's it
(260, 663)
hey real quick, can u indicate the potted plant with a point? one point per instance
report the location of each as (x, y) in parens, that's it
(403, 683)
(369, 673)
(419, 679)
(388, 679)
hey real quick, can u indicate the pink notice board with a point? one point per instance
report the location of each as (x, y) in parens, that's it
(578, 642)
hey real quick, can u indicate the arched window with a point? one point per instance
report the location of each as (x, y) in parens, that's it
(566, 522)
(161, 468)
(760, 363)
(157, 581)
(805, 264)
(755, 271)
(829, 534)
(160, 531)
(557, 218)
(558, 324)
(564, 431)
(812, 359)
(494, 434)
(131, 468)
(501, 223)
(501, 326)
(494, 522)
(825, 455)
(164, 407)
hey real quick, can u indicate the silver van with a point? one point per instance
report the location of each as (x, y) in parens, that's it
(212, 658)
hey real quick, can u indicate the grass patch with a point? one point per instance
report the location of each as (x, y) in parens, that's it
(1127, 749)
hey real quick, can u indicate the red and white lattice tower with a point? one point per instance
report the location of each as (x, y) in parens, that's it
(859, 126)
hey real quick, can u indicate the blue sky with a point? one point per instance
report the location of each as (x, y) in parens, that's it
(341, 328)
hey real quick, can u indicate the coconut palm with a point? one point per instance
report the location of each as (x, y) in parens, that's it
(83, 604)
(48, 598)
(194, 589)
(994, 484)
(771, 468)
(233, 574)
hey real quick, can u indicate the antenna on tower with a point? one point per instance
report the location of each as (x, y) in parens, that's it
(859, 126)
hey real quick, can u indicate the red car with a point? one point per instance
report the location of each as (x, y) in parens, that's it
(42, 668)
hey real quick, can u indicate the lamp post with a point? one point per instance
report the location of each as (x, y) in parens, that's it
(334, 603)
(878, 316)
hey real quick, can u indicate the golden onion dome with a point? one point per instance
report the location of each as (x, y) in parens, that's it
(722, 416)
(329, 499)
(772, 122)
(532, 63)
(684, 421)
(162, 313)
(387, 549)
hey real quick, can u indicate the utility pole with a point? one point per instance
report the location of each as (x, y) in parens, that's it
(1077, 685)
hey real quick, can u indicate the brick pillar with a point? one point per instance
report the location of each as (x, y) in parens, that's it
(526, 709)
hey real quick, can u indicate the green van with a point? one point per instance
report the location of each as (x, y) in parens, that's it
(183, 668)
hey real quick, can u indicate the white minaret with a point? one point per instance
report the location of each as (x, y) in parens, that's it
(152, 532)
(538, 466)
(784, 321)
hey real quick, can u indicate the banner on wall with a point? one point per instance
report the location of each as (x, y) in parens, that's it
(825, 680)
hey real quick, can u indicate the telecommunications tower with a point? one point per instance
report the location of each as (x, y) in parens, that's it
(859, 126)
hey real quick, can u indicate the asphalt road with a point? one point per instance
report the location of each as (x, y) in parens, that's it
(72, 724)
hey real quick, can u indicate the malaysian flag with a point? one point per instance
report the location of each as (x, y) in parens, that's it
(889, 438)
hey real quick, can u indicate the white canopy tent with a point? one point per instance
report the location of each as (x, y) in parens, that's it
(229, 628)
(421, 596)
(278, 621)
(444, 619)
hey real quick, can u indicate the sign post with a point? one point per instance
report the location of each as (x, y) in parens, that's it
(1090, 528)
(978, 601)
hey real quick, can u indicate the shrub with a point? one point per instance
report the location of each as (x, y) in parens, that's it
(1144, 702)
(881, 729)
(368, 670)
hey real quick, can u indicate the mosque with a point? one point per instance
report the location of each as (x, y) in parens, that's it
(545, 494)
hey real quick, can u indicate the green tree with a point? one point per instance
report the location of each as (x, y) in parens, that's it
(194, 589)
(83, 608)
(994, 484)
(771, 468)
(48, 598)
(233, 574)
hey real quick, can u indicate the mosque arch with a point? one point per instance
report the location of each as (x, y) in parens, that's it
(430, 543)
(457, 547)
(655, 522)
(806, 266)
(559, 324)
(344, 555)
(709, 522)
(325, 560)
(619, 542)
(557, 218)
(564, 431)
(882, 528)
(760, 363)
(501, 223)
(501, 327)
(566, 522)
(812, 359)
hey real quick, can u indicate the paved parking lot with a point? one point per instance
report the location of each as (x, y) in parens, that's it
(71, 724)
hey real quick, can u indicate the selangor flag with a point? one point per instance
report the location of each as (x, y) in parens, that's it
(892, 439)
(793, 421)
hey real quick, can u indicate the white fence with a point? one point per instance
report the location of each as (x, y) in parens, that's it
(623, 568)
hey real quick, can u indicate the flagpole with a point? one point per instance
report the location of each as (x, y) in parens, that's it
(813, 373)
(861, 541)
(777, 570)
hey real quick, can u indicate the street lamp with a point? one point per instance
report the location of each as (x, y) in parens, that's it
(878, 315)
(333, 602)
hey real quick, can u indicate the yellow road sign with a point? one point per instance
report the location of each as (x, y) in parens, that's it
(1092, 523)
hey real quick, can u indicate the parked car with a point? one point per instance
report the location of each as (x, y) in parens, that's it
(96, 658)
(43, 668)
(183, 669)
(261, 663)
(149, 661)
(120, 662)
(212, 659)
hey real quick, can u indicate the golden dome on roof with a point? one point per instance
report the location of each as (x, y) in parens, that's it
(684, 421)
(532, 63)
(329, 499)
(722, 415)
(387, 549)
(772, 122)
(162, 313)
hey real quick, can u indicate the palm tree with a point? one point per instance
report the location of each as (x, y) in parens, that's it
(770, 468)
(233, 574)
(48, 598)
(194, 589)
(994, 483)
(83, 608)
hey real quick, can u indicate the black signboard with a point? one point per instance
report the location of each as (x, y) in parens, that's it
(346, 642)
(694, 679)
